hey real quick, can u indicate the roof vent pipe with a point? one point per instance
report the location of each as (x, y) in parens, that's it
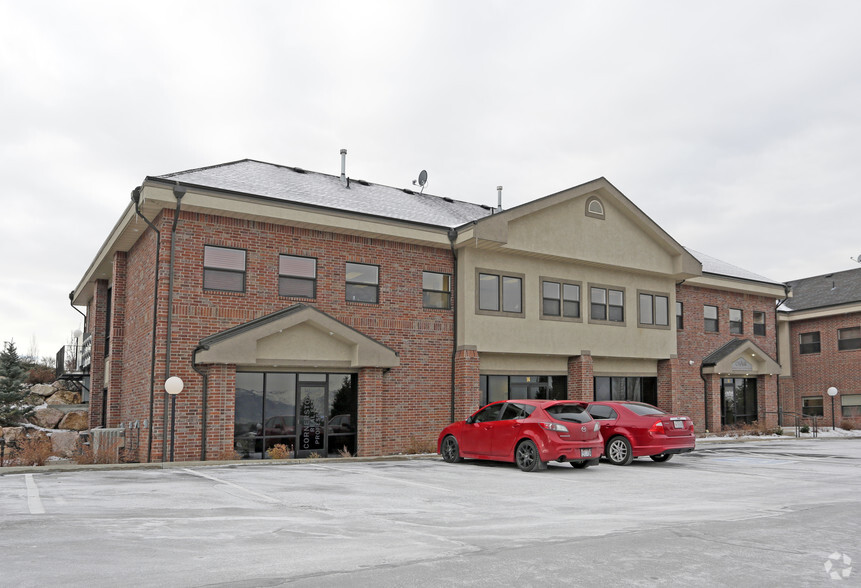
(343, 165)
(499, 197)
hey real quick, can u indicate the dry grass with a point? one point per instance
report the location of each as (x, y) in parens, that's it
(752, 429)
(228, 455)
(418, 446)
(344, 452)
(280, 451)
(107, 453)
(32, 451)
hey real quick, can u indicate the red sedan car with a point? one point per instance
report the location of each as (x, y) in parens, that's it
(635, 429)
(527, 432)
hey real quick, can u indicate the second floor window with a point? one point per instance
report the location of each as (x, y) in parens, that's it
(758, 322)
(736, 321)
(436, 290)
(223, 268)
(809, 343)
(710, 319)
(498, 292)
(849, 339)
(607, 304)
(680, 316)
(297, 276)
(654, 309)
(560, 299)
(363, 283)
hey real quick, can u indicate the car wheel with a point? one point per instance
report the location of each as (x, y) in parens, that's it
(618, 451)
(662, 457)
(527, 457)
(450, 450)
(580, 465)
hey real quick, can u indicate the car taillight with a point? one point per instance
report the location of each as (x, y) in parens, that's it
(658, 427)
(597, 426)
(555, 427)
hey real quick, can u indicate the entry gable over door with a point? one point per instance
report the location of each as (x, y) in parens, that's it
(298, 336)
(740, 357)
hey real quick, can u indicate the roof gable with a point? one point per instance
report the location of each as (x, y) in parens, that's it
(740, 357)
(834, 289)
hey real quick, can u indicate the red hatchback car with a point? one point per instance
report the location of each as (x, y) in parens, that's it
(527, 432)
(636, 429)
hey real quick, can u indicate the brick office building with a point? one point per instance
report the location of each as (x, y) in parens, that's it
(327, 313)
(820, 342)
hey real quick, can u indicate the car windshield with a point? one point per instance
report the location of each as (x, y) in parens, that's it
(643, 409)
(569, 412)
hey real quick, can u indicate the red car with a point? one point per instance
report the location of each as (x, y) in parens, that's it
(636, 429)
(527, 432)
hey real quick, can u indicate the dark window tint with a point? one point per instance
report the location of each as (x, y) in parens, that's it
(362, 282)
(849, 339)
(436, 290)
(513, 411)
(602, 412)
(736, 321)
(551, 292)
(758, 322)
(643, 409)
(297, 276)
(488, 413)
(812, 406)
(223, 268)
(809, 343)
(680, 316)
(620, 388)
(575, 413)
(710, 316)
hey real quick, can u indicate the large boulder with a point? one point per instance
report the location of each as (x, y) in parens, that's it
(77, 420)
(65, 443)
(12, 434)
(64, 397)
(65, 385)
(47, 418)
(43, 390)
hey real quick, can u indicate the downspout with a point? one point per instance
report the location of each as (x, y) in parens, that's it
(136, 198)
(205, 376)
(72, 304)
(786, 290)
(452, 237)
(178, 193)
(705, 396)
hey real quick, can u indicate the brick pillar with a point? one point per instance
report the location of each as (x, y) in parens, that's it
(115, 353)
(766, 398)
(467, 388)
(97, 319)
(669, 380)
(580, 378)
(370, 425)
(221, 411)
(714, 405)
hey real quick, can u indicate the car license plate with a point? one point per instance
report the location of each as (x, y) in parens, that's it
(678, 424)
(586, 452)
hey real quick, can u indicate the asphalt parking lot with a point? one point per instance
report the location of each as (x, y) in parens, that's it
(747, 514)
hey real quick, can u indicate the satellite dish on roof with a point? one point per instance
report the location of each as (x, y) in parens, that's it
(423, 179)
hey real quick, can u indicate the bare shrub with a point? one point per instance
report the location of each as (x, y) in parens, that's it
(40, 374)
(280, 451)
(32, 451)
(753, 429)
(344, 452)
(228, 455)
(418, 446)
(107, 453)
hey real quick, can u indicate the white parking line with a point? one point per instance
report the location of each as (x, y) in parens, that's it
(34, 502)
(231, 484)
(387, 478)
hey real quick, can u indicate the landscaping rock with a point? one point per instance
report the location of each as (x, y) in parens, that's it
(64, 397)
(77, 420)
(48, 418)
(12, 434)
(65, 385)
(65, 443)
(44, 390)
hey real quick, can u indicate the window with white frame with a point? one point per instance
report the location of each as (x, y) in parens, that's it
(223, 268)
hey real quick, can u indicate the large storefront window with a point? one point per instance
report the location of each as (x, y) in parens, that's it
(637, 389)
(495, 388)
(739, 401)
(310, 414)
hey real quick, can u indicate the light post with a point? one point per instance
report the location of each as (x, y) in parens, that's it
(77, 334)
(173, 386)
(832, 392)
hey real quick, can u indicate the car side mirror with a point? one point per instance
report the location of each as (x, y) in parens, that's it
(470, 420)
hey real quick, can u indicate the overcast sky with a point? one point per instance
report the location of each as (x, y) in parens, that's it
(736, 126)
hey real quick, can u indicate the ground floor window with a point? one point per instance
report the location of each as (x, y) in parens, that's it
(850, 405)
(638, 389)
(310, 414)
(495, 388)
(811, 406)
(739, 401)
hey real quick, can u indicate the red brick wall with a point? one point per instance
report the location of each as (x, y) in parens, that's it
(97, 317)
(116, 355)
(580, 378)
(467, 382)
(812, 374)
(414, 396)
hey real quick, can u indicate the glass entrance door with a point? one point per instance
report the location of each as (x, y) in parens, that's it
(312, 420)
(739, 404)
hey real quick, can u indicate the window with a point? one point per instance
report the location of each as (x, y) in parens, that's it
(851, 405)
(594, 208)
(758, 322)
(436, 290)
(363, 283)
(560, 299)
(736, 321)
(680, 316)
(809, 342)
(849, 339)
(495, 388)
(654, 309)
(811, 406)
(223, 268)
(710, 316)
(497, 291)
(601, 412)
(607, 304)
(297, 276)
(622, 388)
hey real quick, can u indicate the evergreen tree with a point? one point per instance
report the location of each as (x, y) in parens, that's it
(13, 409)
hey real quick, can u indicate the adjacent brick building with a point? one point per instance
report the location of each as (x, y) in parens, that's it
(334, 315)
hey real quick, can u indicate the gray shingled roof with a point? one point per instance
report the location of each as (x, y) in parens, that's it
(713, 265)
(721, 352)
(825, 290)
(256, 178)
